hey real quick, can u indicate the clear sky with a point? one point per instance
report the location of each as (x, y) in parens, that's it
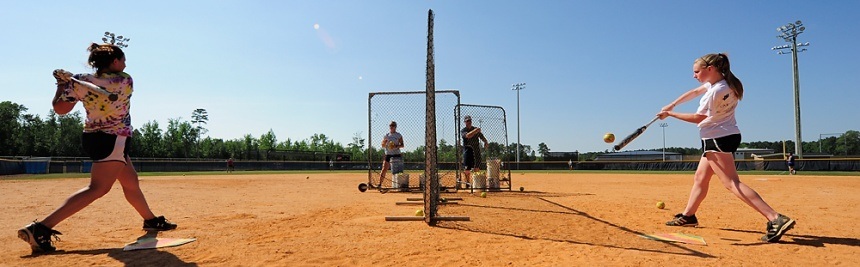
(590, 67)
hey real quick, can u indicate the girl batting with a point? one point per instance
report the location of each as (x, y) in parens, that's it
(721, 91)
(106, 139)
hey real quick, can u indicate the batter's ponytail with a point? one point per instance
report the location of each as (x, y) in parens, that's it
(721, 62)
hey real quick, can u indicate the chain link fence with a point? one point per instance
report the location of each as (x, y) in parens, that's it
(408, 109)
(495, 172)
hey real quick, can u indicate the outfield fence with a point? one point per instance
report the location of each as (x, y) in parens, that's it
(54, 165)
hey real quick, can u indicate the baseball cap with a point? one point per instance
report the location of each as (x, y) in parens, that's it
(467, 118)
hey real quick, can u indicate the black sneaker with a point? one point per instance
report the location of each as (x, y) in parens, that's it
(777, 228)
(39, 237)
(158, 224)
(681, 220)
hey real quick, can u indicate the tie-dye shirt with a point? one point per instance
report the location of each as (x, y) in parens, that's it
(103, 115)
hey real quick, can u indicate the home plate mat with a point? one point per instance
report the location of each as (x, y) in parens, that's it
(155, 242)
(677, 237)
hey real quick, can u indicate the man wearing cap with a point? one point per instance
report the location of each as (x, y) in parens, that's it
(391, 143)
(471, 147)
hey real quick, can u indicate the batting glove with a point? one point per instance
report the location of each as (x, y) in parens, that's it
(62, 76)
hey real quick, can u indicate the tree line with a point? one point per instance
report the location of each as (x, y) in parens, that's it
(23, 134)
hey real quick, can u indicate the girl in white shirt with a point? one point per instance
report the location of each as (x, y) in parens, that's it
(715, 117)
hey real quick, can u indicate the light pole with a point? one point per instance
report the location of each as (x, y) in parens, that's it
(518, 87)
(664, 125)
(789, 33)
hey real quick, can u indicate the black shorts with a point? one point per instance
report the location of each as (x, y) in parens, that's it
(471, 158)
(103, 147)
(388, 157)
(725, 144)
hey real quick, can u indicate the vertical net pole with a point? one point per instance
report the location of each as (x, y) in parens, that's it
(431, 185)
(369, 150)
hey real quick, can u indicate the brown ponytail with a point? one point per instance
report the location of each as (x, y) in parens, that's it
(721, 62)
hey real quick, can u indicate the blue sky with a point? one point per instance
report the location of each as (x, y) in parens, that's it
(590, 67)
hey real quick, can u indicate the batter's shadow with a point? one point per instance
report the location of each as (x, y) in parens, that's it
(149, 257)
(805, 240)
(574, 212)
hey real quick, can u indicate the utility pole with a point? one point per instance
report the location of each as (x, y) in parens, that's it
(664, 125)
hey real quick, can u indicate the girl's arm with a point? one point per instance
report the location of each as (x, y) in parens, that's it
(61, 107)
(693, 93)
(688, 117)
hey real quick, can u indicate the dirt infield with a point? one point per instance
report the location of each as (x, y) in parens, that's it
(321, 219)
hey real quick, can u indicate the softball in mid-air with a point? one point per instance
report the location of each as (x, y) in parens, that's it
(608, 138)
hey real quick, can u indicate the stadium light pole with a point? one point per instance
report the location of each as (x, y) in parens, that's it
(789, 33)
(664, 125)
(518, 87)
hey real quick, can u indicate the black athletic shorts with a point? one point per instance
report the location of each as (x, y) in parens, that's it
(388, 157)
(725, 144)
(103, 147)
(471, 157)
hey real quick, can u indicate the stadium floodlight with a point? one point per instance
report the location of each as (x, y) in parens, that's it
(518, 87)
(789, 33)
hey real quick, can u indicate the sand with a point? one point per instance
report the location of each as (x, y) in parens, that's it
(321, 219)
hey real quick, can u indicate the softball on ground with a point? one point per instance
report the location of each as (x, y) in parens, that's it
(661, 205)
(483, 194)
(522, 188)
(419, 213)
(609, 138)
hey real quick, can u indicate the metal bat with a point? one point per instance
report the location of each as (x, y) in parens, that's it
(96, 89)
(635, 134)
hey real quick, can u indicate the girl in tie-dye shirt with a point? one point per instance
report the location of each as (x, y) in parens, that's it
(106, 138)
(103, 115)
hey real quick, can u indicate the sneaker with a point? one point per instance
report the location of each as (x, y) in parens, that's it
(158, 224)
(681, 220)
(777, 228)
(39, 237)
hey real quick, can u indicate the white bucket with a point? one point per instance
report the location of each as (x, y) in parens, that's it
(400, 181)
(493, 167)
(493, 183)
(479, 180)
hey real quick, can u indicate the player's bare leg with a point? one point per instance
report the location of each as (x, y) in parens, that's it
(385, 166)
(723, 165)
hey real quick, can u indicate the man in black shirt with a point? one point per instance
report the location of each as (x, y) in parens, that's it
(471, 147)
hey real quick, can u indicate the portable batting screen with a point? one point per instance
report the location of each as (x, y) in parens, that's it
(495, 173)
(408, 110)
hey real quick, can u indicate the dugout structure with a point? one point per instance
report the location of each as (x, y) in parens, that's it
(408, 109)
(494, 164)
